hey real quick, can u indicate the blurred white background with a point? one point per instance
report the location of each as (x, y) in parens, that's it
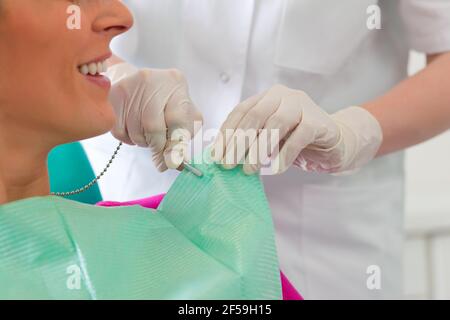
(427, 223)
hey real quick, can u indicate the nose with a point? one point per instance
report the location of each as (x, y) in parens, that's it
(113, 19)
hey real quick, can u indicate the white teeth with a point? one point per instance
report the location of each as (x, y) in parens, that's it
(99, 67)
(105, 66)
(84, 69)
(93, 68)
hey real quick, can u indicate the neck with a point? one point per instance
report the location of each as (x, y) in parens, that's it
(23, 166)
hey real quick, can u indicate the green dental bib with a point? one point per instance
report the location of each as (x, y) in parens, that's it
(212, 238)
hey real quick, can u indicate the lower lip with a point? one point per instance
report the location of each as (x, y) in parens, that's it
(100, 80)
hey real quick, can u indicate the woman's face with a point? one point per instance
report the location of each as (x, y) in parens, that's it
(42, 54)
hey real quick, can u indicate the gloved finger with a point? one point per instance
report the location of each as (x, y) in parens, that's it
(172, 110)
(175, 155)
(158, 160)
(245, 133)
(181, 114)
(137, 120)
(183, 121)
(260, 151)
(233, 119)
(238, 146)
(176, 150)
(153, 123)
(118, 98)
(120, 71)
(277, 128)
(302, 136)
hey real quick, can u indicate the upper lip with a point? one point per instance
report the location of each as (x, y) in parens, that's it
(98, 59)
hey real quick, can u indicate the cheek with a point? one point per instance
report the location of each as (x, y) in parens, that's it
(33, 71)
(82, 107)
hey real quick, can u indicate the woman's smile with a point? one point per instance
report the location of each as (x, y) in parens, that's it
(63, 92)
(92, 71)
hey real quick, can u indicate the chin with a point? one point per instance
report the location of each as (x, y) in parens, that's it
(97, 124)
(104, 125)
(106, 118)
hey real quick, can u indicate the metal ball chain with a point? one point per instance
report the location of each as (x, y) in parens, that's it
(93, 182)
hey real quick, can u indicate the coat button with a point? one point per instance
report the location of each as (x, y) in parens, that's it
(225, 77)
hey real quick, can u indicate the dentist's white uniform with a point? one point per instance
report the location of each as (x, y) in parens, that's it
(329, 229)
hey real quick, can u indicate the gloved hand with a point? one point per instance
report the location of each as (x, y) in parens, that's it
(308, 136)
(154, 110)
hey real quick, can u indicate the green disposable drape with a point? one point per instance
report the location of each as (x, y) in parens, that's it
(212, 238)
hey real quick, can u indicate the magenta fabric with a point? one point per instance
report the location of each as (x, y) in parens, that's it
(289, 292)
(151, 203)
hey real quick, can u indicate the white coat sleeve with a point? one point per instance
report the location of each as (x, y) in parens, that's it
(427, 24)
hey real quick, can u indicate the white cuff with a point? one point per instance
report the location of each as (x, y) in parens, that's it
(362, 136)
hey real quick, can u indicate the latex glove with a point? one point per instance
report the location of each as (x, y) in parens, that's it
(154, 110)
(308, 136)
